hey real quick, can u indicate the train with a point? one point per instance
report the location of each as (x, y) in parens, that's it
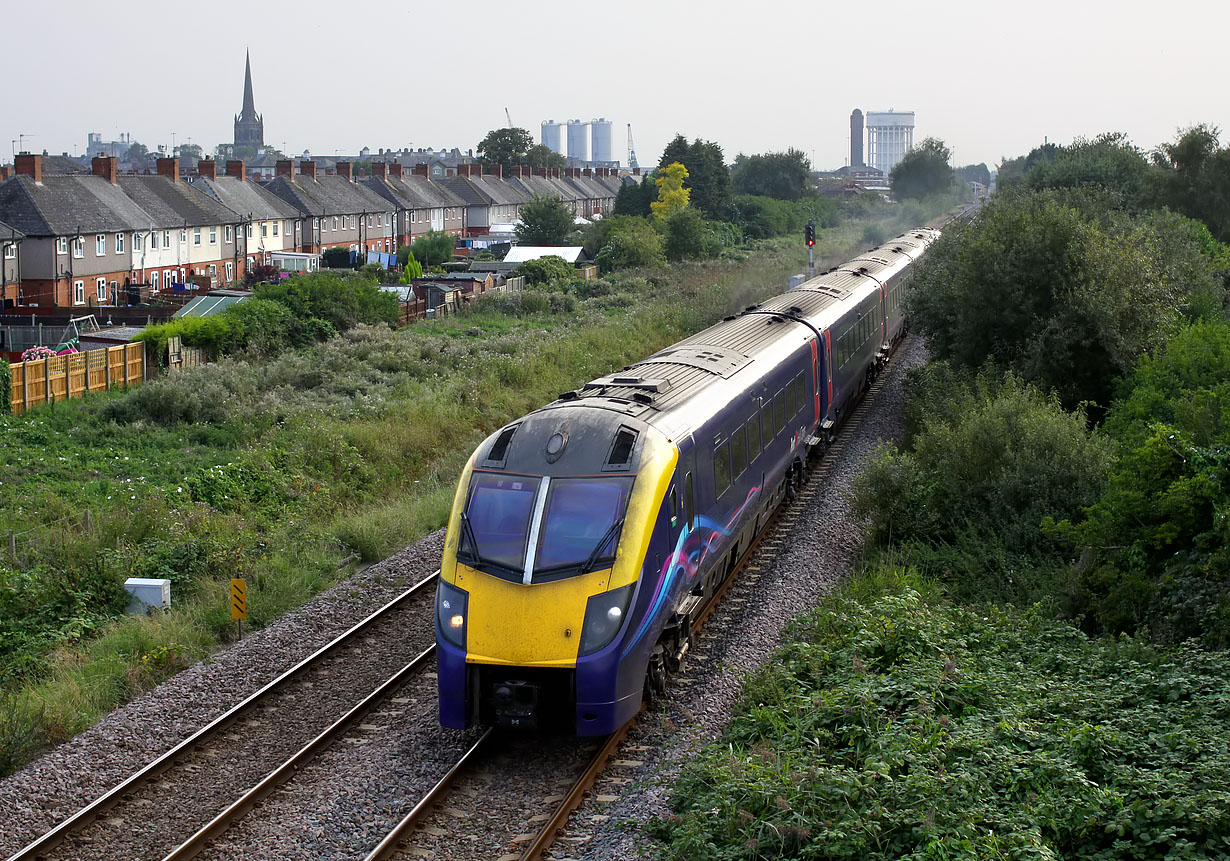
(586, 537)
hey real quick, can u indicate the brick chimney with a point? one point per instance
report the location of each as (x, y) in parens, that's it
(556, 172)
(6, 172)
(425, 170)
(380, 170)
(587, 172)
(169, 167)
(207, 168)
(572, 171)
(497, 170)
(238, 168)
(346, 169)
(105, 166)
(29, 165)
(540, 171)
(395, 169)
(285, 167)
(308, 169)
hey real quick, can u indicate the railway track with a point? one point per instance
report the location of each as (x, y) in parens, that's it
(190, 791)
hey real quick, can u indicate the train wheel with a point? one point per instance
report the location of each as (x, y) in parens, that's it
(655, 674)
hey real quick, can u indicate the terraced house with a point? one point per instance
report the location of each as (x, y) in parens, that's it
(78, 232)
(267, 222)
(10, 265)
(335, 209)
(420, 204)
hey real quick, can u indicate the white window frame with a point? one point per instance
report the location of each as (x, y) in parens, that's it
(78, 247)
(119, 243)
(230, 272)
(100, 289)
(62, 245)
(78, 292)
(153, 240)
(10, 251)
(213, 235)
(264, 230)
(226, 236)
(166, 239)
(249, 231)
(100, 245)
(183, 235)
(335, 222)
(275, 228)
(196, 236)
(155, 280)
(213, 270)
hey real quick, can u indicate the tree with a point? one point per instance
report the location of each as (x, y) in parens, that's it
(1109, 161)
(1044, 290)
(672, 196)
(545, 271)
(138, 156)
(1193, 177)
(924, 171)
(636, 198)
(189, 155)
(542, 156)
(625, 241)
(505, 147)
(975, 173)
(433, 249)
(782, 175)
(709, 180)
(688, 236)
(545, 221)
(411, 268)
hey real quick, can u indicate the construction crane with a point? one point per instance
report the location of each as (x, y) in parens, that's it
(508, 117)
(631, 150)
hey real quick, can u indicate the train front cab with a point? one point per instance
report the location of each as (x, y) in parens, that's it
(560, 647)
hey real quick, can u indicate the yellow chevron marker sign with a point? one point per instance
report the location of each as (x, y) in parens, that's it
(239, 598)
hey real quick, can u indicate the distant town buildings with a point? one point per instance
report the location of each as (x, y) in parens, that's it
(890, 135)
(249, 125)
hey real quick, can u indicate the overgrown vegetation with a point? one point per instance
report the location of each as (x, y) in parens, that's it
(274, 464)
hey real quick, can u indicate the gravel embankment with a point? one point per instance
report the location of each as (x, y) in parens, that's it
(75, 773)
(743, 633)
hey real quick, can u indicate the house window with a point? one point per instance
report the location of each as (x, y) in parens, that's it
(10, 251)
(249, 230)
(78, 292)
(168, 278)
(78, 246)
(230, 272)
(335, 222)
(62, 245)
(249, 263)
(275, 228)
(183, 235)
(153, 280)
(153, 241)
(136, 242)
(119, 243)
(213, 270)
(100, 244)
(213, 236)
(264, 230)
(196, 236)
(227, 235)
(166, 239)
(100, 289)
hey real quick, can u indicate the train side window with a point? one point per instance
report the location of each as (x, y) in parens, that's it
(738, 452)
(753, 437)
(689, 501)
(721, 469)
(766, 420)
(780, 407)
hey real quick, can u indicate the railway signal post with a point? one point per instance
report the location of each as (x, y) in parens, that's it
(239, 602)
(809, 234)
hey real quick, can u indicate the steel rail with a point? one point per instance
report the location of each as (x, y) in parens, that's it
(225, 820)
(387, 847)
(91, 811)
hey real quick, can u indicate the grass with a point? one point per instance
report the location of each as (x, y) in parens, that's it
(297, 461)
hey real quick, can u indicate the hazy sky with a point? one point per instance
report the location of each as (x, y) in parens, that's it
(990, 79)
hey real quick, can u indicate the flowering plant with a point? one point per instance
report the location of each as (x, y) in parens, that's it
(35, 353)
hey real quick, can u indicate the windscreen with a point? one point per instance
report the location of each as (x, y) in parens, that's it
(581, 523)
(498, 515)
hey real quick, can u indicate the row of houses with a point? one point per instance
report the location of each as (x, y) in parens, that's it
(107, 238)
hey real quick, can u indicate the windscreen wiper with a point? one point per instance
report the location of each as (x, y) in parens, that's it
(467, 534)
(596, 553)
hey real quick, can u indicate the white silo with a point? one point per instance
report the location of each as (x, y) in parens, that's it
(552, 138)
(578, 140)
(601, 142)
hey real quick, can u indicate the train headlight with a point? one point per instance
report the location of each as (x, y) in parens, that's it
(604, 614)
(451, 613)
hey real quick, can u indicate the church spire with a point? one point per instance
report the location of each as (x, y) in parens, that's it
(249, 105)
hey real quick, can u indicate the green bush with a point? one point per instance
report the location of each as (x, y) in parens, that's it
(433, 248)
(688, 236)
(626, 241)
(336, 258)
(545, 271)
(894, 726)
(341, 302)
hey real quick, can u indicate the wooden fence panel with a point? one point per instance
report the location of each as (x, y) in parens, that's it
(72, 375)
